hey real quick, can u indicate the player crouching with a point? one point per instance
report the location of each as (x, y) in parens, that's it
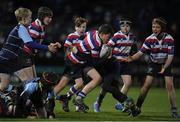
(29, 94)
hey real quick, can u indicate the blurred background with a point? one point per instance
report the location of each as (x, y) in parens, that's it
(141, 12)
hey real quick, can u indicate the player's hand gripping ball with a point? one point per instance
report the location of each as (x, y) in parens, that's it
(105, 51)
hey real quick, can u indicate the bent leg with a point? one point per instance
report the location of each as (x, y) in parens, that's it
(127, 80)
(62, 83)
(96, 79)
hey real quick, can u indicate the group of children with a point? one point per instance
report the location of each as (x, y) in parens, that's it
(16, 58)
(98, 56)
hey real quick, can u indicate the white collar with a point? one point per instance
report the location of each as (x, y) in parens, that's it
(38, 22)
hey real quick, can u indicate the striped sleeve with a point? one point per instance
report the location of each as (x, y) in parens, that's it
(145, 46)
(111, 42)
(71, 40)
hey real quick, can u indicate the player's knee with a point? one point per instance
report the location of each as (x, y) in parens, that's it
(127, 84)
(99, 78)
(79, 85)
(169, 86)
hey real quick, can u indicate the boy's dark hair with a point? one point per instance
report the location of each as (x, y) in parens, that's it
(105, 29)
(79, 20)
(43, 12)
(161, 21)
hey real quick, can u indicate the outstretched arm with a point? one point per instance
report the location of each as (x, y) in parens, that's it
(24, 35)
(135, 56)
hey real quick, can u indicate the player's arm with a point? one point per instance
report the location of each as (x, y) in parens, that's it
(168, 61)
(68, 45)
(134, 47)
(145, 47)
(135, 56)
(170, 55)
(24, 35)
(169, 58)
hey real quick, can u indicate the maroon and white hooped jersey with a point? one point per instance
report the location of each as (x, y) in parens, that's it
(37, 30)
(121, 45)
(159, 49)
(73, 39)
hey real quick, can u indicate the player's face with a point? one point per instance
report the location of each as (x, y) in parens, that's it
(156, 28)
(81, 29)
(105, 37)
(125, 28)
(27, 20)
(47, 20)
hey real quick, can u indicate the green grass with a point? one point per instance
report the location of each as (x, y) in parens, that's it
(155, 108)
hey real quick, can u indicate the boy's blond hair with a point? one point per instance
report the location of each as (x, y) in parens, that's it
(21, 13)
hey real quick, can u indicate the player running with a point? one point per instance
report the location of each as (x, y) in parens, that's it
(121, 42)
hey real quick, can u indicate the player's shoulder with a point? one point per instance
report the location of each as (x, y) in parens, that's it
(118, 33)
(169, 36)
(36, 25)
(73, 35)
(150, 37)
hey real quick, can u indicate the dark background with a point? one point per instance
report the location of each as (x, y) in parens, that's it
(141, 12)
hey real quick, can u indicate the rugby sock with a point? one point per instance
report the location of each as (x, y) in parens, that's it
(77, 93)
(72, 91)
(140, 101)
(101, 97)
(173, 110)
(119, 96)
(81, 95)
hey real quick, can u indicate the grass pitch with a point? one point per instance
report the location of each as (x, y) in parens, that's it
(155, 108)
